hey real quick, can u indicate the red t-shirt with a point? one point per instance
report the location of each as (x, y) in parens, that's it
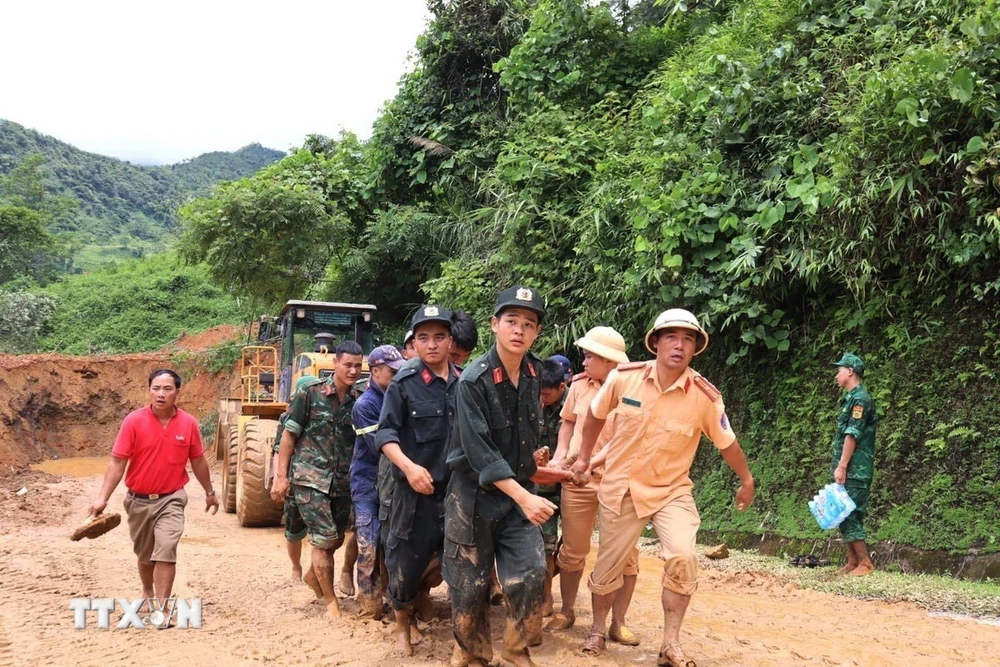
(157, 456)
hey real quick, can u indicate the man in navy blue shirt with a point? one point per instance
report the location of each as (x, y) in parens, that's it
(413, 433)
(383, 361)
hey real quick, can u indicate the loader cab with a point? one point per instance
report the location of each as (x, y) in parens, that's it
(297, 326)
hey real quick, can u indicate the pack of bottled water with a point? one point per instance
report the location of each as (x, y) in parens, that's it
(831, 506)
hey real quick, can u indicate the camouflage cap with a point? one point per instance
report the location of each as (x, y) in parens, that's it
(520, 296)
(853, 362)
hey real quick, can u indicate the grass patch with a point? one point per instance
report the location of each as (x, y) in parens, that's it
(932, 592)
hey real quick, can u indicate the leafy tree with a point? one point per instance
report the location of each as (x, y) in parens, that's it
(271, 236)
(26, 317)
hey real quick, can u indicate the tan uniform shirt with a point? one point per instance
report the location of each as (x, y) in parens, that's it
(656, 434)
(581, 392)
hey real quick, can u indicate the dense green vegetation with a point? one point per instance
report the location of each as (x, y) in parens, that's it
(808, 176)
(113, 208)
(134, 306)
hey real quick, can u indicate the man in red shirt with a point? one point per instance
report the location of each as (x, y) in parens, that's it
(156, 442)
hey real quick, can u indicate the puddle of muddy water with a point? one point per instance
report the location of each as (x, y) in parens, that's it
(83, 466)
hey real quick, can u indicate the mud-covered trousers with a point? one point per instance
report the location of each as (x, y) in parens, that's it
(482, 526)
(367, 527)
(407, 557)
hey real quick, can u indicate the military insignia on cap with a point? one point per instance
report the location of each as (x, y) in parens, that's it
(857, 412)
(523, 294)
(431, 311)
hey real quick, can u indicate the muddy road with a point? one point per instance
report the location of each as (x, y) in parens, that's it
(254, 615)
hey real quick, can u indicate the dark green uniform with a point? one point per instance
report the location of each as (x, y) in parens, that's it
(495, 437)
(856, 417)
(320, 466)
(417, 413)
(548, 436)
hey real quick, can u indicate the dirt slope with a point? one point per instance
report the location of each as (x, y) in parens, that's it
(60, 405)
(254, 615)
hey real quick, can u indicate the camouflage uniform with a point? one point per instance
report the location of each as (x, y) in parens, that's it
(548, 436)
(856, 417)
(320, 466)
(295, 527)
(495, 437)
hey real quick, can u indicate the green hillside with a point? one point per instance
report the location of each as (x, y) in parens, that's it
(123, 210)
(808, 176)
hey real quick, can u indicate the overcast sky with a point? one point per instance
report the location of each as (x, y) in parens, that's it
(157, 82)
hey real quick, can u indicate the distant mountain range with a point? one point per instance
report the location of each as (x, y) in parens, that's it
(124, 209)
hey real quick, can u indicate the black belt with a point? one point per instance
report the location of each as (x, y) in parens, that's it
(149, 496)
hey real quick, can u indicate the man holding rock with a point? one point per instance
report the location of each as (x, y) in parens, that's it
(151, 451)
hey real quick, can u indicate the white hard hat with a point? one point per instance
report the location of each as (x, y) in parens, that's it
(680, 319)
(604, 342)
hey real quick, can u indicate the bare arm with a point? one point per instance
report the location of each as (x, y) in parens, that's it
(538, 510)
(592, 427)
(112, 476)
(850, 444)
(562, 448)
(281, 485)
(199, 466)
(735, 459)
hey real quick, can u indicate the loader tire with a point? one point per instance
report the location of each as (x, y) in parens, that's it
(221, 439)
(254, 506)
(229, 470)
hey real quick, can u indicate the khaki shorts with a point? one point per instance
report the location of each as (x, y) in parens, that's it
(676, 525)
(156, 526)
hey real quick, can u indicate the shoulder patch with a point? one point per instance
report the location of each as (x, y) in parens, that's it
(858, 412)
(580, 376)
(708, 388)
(405, 372)
(632, 365)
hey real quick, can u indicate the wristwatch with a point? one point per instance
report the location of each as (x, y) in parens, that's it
(209, 494)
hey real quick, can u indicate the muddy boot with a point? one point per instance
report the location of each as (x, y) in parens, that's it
(515, 648)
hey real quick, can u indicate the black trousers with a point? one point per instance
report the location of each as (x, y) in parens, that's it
(408, 556)
(482, 528)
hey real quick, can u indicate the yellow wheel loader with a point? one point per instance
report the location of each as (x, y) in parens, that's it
(299, 341)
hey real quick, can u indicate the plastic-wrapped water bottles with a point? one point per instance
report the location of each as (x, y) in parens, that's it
(831, 506)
